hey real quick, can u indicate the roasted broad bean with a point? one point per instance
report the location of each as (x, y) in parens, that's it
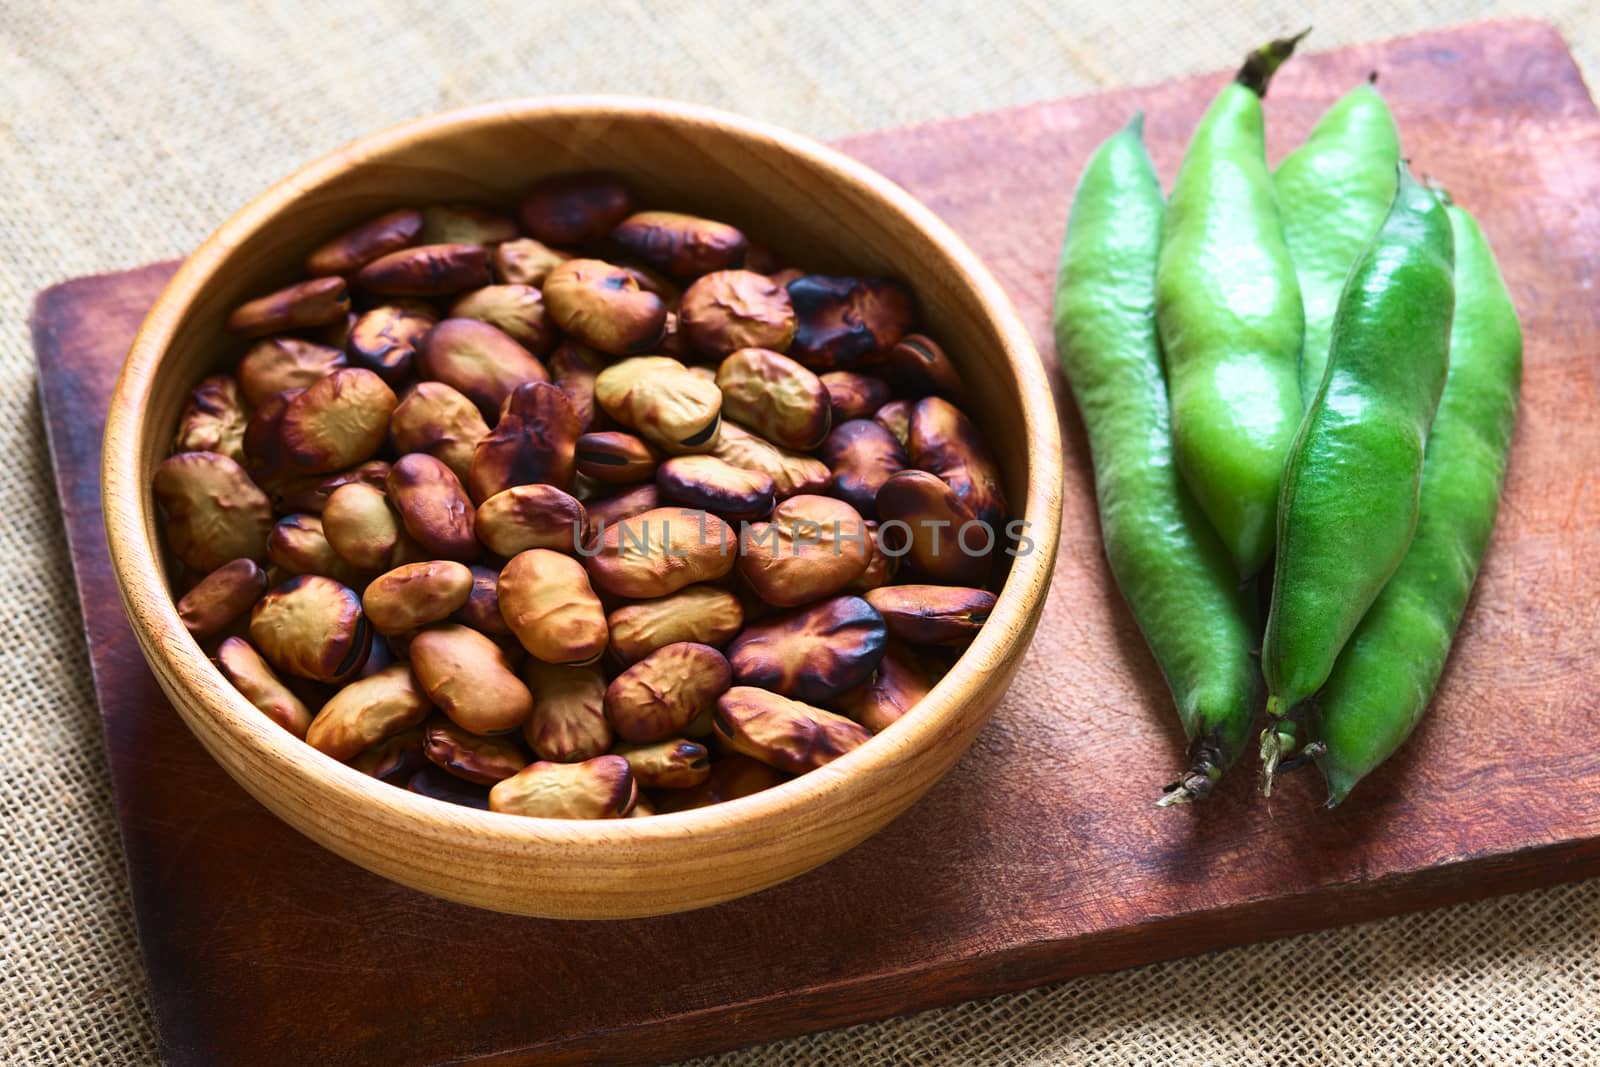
(711, 484)
(214, 419)
(922, 518)
(673, 764)
(384, 340)
(309, 303)
(337, 421)
(660, 399)
(812, 654)
(661, 694)
(298, 544)
(484, 363)
(311, 492)
(943, 441)
(525, 262)
(895, 416)
(610, 511)
(852, 395)
(732, 776)
(776, 397)
(571, 209)
(814, 547)
(433, 506)
(518, 311)
(367, 711)
(791, 472)
(918, 366)
(426, 270)
(616, 458)
(685, 246)
(360, 526)
(531, 516)
(261, 686)
(932, 614)
(727, 310)
(535, 440)
(276, 364)
(465, 224)
(863, 456)
(482, 609)
(573, 367)
(467, 676)
(221, 597)
(902, 679)
(312, 627)
(881, 568)
(547, 601)
(700, 613)
(659, 552)
(361, 244)
(603, 306)
(214, 512)
(600, 788)
(569, 718)
(440, 420)
(846, 322)
(395, 757)
(787, 734)
(485, 760)
(415, 594)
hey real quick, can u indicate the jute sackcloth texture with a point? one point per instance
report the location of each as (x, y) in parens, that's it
(128, 132)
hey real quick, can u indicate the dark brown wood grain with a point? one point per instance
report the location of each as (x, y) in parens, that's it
(1041, 856)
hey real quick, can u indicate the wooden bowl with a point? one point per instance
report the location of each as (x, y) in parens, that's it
(818, 208)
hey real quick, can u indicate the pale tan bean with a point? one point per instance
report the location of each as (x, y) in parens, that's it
(531, 516)
(518, 311)
(776, 397)
(254, 677)
(312, 627)
(569, 719)
(600, 788)
(661, 400)
(214, 419)
(465, 224)
(214, 512)
(727, 310)
(526, 262)
(787, 734)
(571, 209)
(367, 711)
(812, 654)
(413, 595)
(846, 322)
(661, 694)
(700, 613)
(277, 364)
(480, 361)
(672, 764)
(438, 419)
(433, 507)
(547, 601)
(814, 547)
(603, 306)
(221, 597)
(337, 421)
(361, 244)
(791, 472)
(361, 527)
(485, 760)
(426, 270)
(684, 246)
(535, 441)
(309, 303)
(660, 551)
(467, 676)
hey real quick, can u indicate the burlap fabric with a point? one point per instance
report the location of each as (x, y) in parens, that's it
(127, 133)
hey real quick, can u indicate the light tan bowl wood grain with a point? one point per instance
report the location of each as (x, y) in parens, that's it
(819, 209)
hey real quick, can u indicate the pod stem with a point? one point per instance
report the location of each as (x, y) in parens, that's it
(1260, 65)
(1277, 742)
(1206, 764)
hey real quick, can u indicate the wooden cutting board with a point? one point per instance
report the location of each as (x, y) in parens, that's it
(1041, 855)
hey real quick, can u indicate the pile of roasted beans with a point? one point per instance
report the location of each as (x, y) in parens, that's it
(1317, 366)
(580, 511)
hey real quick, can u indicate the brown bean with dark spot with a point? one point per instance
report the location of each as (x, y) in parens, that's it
(311, 492)
(700, 613)
(337, 422)
(659, 552)
(482, 610)
(787, 734)
(663, 401)
(604, 306)
(672, 764)
(661, 694)
(438, 419)
(214, 419)
(310, 303)
(727, 310)
(854, 396)
(933, 614)
(384, 340)
(570, 209)
(547, 601)
(863, 455)
(944, 442)
(467, 676)
(902, 679)
(426, 270)
(918, 367)
(255, 679)
(518, 311)
(465, 224)
(214, 512)
(299, 544)
(812, 654)
(361, 244)
(480, 361)
(221, 597)
(814, 547)
(573, 367)
(485, 760)
(433, 506)
(708, 483)
(367, 711)
(791, 472)
(616, 458)
(776, 397)
(922, 519)
(395, 757)
(895, 416)
(531, 516)
(361, 527)
(600, 788)
(276, 364)
(846, 322)
(312, 627)
(535, 441)
(526, 262)
(608, 511)
(685, 246)
(569, 718)
(415, 594)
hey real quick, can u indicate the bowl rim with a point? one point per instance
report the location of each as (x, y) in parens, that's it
(128, 506)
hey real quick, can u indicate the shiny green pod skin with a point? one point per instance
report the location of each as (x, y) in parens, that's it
(1386, 674)
(1172, 569)
(1333, 192)
(1351, 484)
(1228, 309)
